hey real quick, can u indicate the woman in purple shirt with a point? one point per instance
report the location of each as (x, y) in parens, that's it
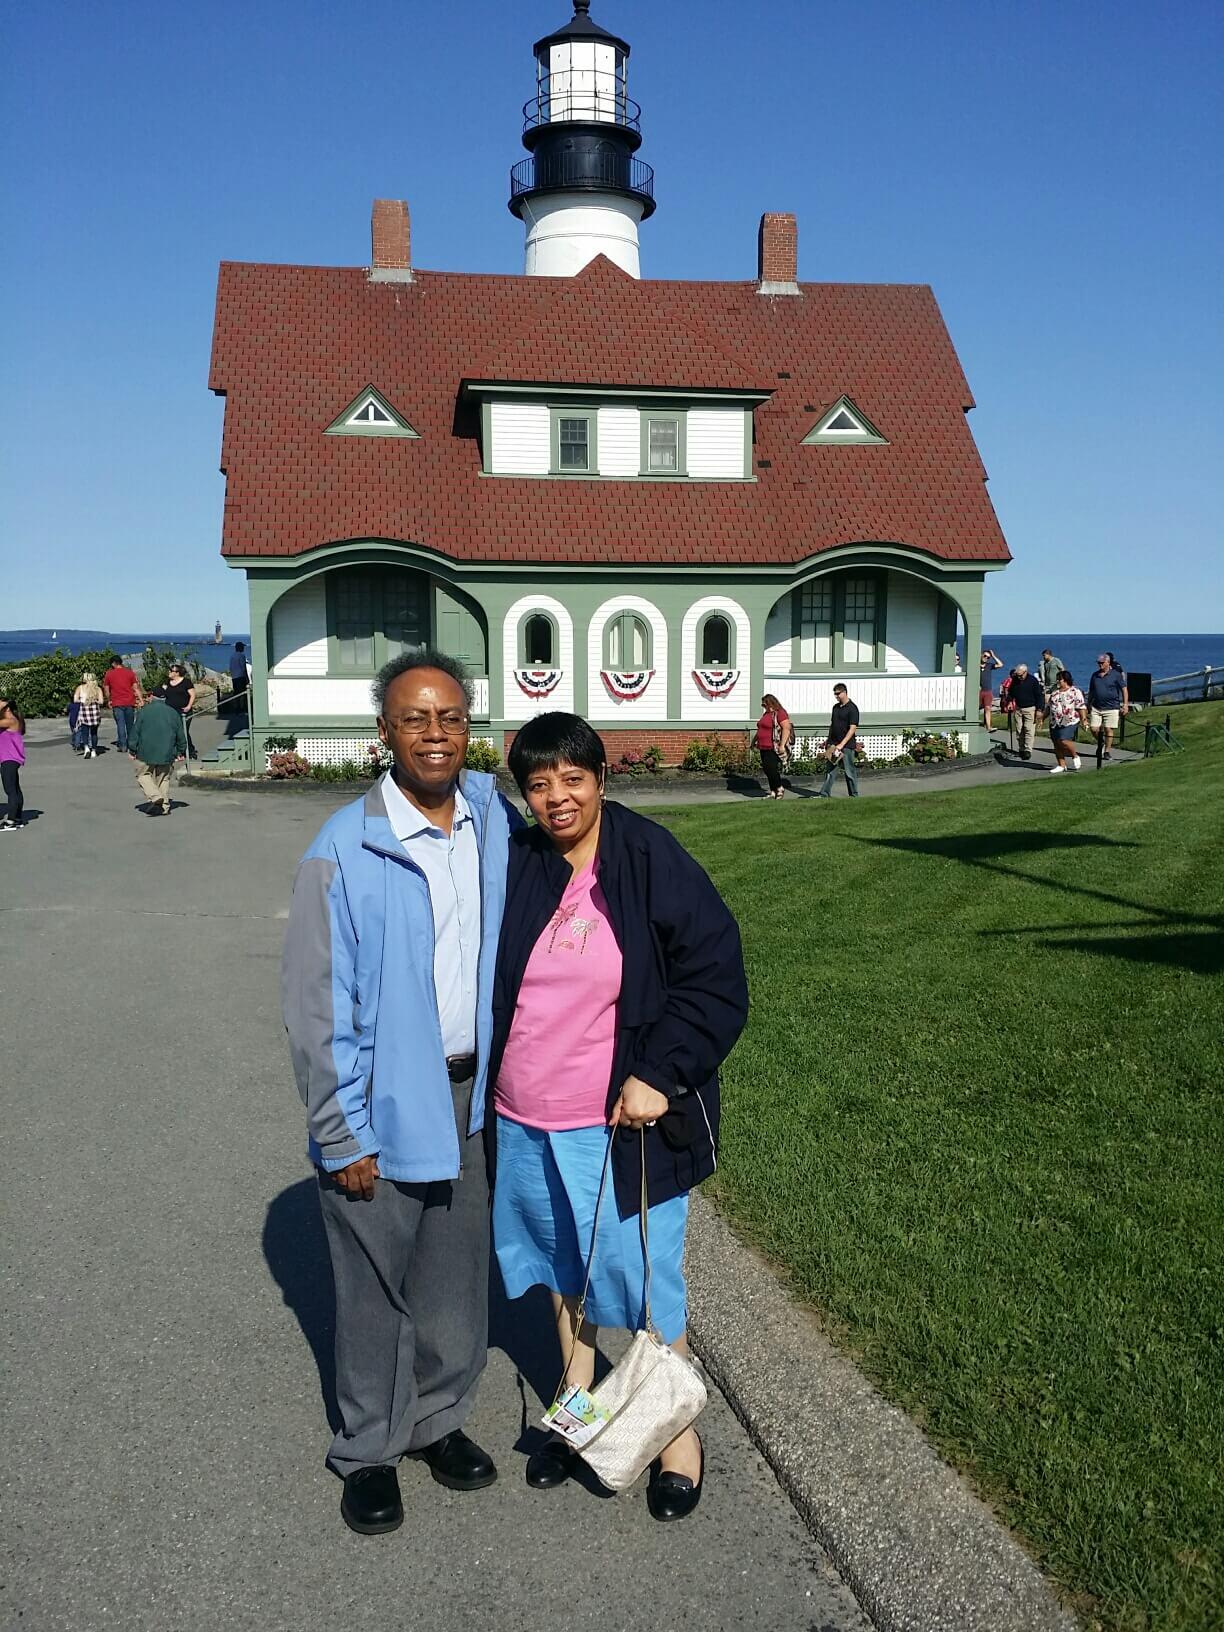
(12, 758)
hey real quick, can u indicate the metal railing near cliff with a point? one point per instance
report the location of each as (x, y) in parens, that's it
(1200, 685)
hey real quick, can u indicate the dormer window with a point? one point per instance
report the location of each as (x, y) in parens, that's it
(370, 414)
(844, 422)
(663, 446)
(573, 441)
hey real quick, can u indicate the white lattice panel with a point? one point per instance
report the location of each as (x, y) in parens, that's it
(335, 750)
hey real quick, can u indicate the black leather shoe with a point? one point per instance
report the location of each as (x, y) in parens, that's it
(458, 1462)
(551, 1465)
(672, 1495)
(371, 1502)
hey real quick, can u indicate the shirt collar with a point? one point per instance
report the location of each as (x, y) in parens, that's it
(407, 822)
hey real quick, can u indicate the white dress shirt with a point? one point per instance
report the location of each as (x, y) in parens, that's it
(451, 865)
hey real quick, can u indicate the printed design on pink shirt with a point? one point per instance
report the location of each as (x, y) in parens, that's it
(578, 930)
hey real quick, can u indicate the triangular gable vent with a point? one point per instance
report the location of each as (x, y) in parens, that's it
(370, 414)
(843, 422)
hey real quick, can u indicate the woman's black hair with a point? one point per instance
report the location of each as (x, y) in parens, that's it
(1065, 674)
(556, 739)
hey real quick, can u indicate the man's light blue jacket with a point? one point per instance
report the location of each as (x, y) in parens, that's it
(357, 990)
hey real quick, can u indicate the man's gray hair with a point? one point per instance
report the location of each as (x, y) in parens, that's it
(425, 658)
(1021, 668)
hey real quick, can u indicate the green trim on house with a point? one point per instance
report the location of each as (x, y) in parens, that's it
(519, 388)
(624, 623)
(867, 437)
(577, 412)
(399, 426)
(525, 662)
(678, 416)
(699, 638)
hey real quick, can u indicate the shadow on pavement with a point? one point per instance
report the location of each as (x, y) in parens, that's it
(295, 1249)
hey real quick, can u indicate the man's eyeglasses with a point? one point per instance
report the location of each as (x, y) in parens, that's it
(453, 723)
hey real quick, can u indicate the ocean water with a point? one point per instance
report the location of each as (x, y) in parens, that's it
(18, 644)
(1158, 655)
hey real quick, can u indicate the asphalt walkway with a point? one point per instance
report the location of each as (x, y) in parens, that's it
(166, 1333)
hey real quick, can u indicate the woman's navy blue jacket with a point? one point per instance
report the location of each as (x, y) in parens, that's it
(684, 995)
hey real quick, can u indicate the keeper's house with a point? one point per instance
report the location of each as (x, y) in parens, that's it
(645, 501)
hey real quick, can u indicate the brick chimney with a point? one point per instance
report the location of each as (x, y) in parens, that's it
(390, 260)
(778, 255)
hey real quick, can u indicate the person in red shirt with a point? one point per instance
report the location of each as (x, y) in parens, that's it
(774, 735)
(123, 696)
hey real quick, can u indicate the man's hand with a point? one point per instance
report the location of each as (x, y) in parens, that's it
(638, 1104)
(357, 1179)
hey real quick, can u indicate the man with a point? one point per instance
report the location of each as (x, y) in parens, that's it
(839, 744)
(236, 705)
(157, 739)
(123, 695)
(1029, 700)
(1108, 700)
(387, 996)
(1051, 668)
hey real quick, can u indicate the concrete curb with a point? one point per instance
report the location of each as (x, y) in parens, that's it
(920, 1552)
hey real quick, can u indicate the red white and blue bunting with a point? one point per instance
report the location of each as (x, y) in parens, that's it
(537, 682)
(716, 682)
(626, 684)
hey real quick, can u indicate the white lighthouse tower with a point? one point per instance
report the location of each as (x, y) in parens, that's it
(582, 192)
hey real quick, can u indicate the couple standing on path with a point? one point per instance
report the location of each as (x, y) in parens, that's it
(585, 977)
(775, 737)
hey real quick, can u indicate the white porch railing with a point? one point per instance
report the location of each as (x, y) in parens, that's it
(880, 694)
(338, 697)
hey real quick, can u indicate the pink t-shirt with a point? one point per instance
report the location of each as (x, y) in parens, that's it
(557, 1066)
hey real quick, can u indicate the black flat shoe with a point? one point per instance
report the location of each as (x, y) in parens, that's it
(673, 1495)
(371, 1502)
(551, 1465)
(458, 1462)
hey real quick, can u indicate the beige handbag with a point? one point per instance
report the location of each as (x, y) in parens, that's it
(652, 1393)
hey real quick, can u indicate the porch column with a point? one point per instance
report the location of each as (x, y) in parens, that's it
(970, 597)
(262, 593)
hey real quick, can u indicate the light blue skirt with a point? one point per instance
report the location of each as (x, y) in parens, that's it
(543, 1213)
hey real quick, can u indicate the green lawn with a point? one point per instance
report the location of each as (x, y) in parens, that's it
(977, 1115)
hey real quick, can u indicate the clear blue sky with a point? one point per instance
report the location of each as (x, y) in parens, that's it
(1053, 170)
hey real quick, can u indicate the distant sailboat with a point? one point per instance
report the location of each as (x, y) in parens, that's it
(217, 633)
(55, 634)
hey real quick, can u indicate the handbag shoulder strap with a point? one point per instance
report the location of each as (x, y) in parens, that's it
(590, 1262)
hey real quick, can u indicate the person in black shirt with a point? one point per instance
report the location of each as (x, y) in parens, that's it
(180, 693)
(839, 744)
(1029, 698)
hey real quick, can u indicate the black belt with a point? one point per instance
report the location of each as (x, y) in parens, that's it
(460, 1067)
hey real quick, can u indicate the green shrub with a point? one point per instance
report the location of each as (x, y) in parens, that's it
(804, 766)
(705, 754)
(929, 747)
(285, 745)
(481, 756)
(347, 771)
(42, 687)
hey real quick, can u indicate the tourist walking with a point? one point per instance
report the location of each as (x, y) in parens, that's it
(237, 704)
(1066, 712)
(1108, 701)
(387, 991)
(122, 691)
(1050, 669)
(774, 735)
(620, 991)
(840, 744)
(1028, 698)
(12, 758)
(989, 663)
(89, 699)
(158, 739)
(180, 693)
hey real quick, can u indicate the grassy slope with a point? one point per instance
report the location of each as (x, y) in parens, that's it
(977, 1114)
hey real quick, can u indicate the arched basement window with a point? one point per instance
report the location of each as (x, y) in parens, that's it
(626, 643)
(538, 641)
(716, 642)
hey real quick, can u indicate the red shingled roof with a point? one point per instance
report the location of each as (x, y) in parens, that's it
(294, 345)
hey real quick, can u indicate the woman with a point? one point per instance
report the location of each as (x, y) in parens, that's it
(1066, 711)
(181, 695)
(990, 662)
(89, 699)
(620, 990)
(774, 735)
(12, 758)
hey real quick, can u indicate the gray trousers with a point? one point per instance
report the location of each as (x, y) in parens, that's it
(412, 1306)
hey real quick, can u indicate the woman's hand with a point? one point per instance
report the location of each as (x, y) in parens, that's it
(638, 1104)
